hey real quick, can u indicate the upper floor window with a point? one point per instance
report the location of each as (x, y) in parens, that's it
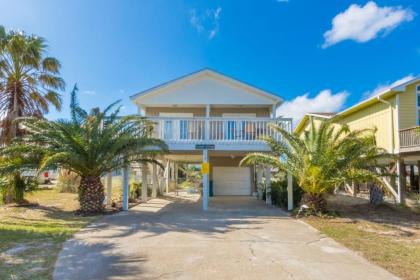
(418, 104)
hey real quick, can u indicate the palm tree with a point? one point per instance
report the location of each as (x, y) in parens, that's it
(89, 144)
(28, 80)
(326, 156)
(28, 84)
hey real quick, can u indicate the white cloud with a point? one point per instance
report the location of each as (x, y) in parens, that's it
(325, 101)
(196, 21)
(383, 87)
(207, 22)
(364, 23)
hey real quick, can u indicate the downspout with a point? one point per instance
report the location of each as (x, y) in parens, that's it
(397, 122)
(391, 123)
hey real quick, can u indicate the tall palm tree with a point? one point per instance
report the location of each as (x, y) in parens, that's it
(89, 144)
(326, 156)
(29, 80)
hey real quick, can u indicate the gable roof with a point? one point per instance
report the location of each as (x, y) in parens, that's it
(388, 92)
(305, 118)
(209, 73)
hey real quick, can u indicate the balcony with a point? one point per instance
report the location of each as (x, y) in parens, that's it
(410, 139)
(225, 133)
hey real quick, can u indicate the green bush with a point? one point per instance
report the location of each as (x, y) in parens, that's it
(5, 191)
(279, 193)
(68, 182)
(14, 186)
(135, 190)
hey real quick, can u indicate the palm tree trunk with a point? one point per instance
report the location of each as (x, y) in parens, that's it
(19, 187)
(14, 115)
(315, 203)
(91, 194)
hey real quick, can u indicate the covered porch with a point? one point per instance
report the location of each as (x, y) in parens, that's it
(224, 177)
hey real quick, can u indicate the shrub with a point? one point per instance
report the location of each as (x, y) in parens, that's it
(323, 157)
(135, 190)
(14, 186)
(279, 193)
(68, 182)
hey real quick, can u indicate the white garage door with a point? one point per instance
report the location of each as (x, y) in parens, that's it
(231, 180)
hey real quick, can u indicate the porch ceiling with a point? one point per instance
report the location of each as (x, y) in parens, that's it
(197, 156)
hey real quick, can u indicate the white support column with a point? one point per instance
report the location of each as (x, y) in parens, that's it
(172, 171)
(273, 111)
(401, 181)
(268, 185)
(109, 188)
(125, 175)
(155, 182)
(162, 182)
(259, 170)
(418, 170)
(289, 192)
(167, 176)
(176, 175)
(144, 170)
(205, 182)
(353, 189)
(207, 123)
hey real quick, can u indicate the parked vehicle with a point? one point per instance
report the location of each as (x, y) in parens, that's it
(45, 177)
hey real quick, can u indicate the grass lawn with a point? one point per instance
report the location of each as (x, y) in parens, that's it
(31, 237)
(388, 236)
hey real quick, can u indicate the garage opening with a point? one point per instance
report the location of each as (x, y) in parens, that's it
(231, 180)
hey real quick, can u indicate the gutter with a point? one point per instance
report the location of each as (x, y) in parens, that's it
(391, 123)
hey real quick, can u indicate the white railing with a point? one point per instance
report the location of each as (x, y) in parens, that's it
(410, 137)
(216, 130)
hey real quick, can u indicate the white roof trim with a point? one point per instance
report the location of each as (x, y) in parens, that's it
(212, 73)
(399, 88)
(402, 87)
(320, 116)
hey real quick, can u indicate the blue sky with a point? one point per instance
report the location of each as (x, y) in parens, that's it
(319, 55)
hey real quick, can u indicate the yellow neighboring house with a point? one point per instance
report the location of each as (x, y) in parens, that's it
(395, 113)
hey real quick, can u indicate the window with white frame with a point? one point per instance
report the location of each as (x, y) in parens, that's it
(418, 104)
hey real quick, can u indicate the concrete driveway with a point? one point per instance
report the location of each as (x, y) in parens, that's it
(238, 238)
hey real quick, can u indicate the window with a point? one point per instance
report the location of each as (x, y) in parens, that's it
(418, 104)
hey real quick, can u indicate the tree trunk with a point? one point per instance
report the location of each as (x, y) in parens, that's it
(376, 194)
(91, 195)
(15, 190)
(19, 187)
(315, 203)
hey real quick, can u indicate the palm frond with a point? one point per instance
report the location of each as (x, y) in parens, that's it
(87, 144)
(324, 156)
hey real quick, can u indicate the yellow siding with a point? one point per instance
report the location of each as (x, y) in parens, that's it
(408, 108)
(375, 116)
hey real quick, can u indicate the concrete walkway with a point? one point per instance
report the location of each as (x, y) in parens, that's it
(238, 238)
